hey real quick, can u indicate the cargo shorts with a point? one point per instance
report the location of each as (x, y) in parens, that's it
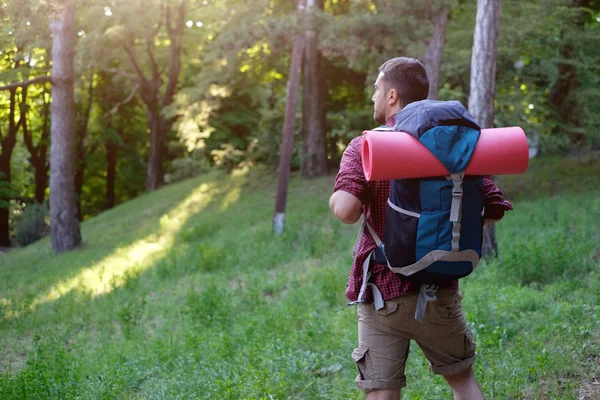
(384, 338)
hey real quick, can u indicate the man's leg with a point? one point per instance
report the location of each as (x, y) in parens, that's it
(464, 385)
(383, 395)
(383, 344)
(448, 344)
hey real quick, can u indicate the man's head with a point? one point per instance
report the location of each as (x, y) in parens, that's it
(401, 81)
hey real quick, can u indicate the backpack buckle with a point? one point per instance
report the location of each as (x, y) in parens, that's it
(457, 194)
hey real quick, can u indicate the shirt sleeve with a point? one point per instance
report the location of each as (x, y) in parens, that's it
(351, 177)
(494, 202)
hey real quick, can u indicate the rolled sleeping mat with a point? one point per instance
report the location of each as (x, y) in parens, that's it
(398, 155)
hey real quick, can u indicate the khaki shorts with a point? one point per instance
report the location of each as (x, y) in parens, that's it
(384, 338)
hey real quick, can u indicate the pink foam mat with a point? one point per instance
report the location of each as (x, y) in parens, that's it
(398, 155)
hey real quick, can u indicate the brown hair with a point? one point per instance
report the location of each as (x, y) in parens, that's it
(408, 77)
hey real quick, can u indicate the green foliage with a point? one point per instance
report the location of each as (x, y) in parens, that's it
(32, 224)
(185, 292)
(190, 165)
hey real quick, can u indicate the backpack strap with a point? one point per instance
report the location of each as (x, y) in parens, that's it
(456, 208)
(426, 294)
(377, 297)
(383, 128)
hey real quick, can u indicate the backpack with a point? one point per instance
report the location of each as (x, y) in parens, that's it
(434, 225)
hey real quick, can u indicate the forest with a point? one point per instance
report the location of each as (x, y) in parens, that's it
(145, 147)
(169, 90)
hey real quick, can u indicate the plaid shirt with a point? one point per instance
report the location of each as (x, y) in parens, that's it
(374, 195)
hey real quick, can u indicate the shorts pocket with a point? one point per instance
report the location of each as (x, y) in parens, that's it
(470, 345)
(389, 308)
(449, 311)
(360, 356)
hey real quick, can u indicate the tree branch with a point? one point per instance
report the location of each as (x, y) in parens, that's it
(26, 134)
(153, 64)
(134, 63)
(160, 21)
(29, 141)
(129, 75)
(15, 85)
(113, 110)
(174, 54)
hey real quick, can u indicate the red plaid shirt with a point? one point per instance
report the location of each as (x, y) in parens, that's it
(374, 197)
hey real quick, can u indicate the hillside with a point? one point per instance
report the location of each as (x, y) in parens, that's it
(185, 293)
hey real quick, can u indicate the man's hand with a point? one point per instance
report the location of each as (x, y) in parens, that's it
(487, 222)
(346, 207)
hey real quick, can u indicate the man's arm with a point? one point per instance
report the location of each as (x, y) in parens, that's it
(350, 186)
(495, 203)
(345, 206)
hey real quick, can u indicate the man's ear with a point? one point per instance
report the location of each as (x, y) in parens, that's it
(393, 97)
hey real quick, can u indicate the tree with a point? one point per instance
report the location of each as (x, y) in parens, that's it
(8, 140)
(313, 94)
(149, 88)
(23, 28)
(435, 48)
(81, 152)
(117, 108)
(38, 153)
(289, 127)
(483, 83)
(566, 81)
(64, 222)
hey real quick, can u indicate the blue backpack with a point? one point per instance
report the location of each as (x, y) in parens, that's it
(433, 229)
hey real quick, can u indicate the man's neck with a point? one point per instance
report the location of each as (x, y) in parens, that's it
(392, 112)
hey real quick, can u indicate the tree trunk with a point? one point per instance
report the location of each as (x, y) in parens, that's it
(289, 127)
(8, 142)
(435, 50)
(64, 223)
(483, 83)
(4, 212)
(41, 178)
(38, 153)
(559, 97)
(155, 173)
(111, 173)
(149, 90)
(81, 152)
(313, 108)
(79, 175)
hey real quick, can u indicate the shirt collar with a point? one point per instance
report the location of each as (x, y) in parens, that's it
(391, 121)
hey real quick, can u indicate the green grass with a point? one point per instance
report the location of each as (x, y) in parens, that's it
(185, 293)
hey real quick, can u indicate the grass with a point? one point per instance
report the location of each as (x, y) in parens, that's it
(185, 293)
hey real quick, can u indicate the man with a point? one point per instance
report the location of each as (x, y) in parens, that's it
(384, 335)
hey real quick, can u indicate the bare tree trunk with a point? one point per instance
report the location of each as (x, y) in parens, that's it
(81, 152)
(41, 162)
(155, 173)
(313, 108)
(111, 173)
(483, 62)
(38, 154)
(41, 178)
(64, 223)
(435, 50)
(289, 127)
(8, 142)
(483, 83)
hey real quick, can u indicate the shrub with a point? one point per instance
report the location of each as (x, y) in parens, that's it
(32, 224)
(188, 166)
